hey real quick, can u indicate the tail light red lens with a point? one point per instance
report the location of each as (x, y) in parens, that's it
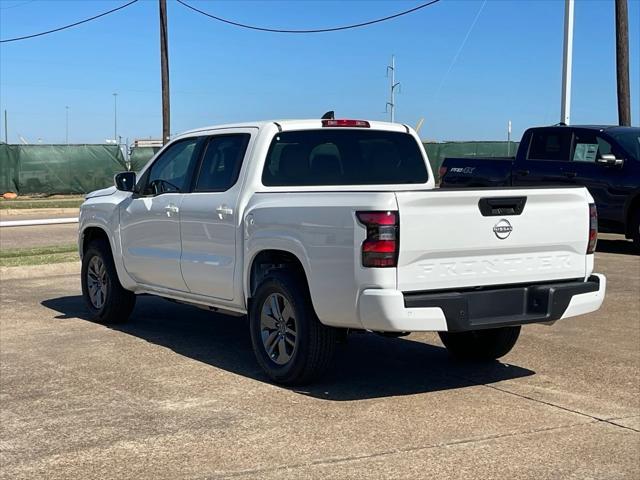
(345, 123)
(593, 229)
(441, 172)
(380, 249)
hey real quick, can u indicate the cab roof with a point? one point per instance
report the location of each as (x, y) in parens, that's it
(302, 124)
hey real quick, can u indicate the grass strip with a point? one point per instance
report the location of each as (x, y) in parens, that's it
(42, 259)
(38, 251)
(30, 204)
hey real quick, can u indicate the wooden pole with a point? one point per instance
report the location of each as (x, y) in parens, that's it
(164, 67)
(622, 62)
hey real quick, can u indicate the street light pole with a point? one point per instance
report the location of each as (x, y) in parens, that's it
(115, 117)
(66, 135)
(567, 62)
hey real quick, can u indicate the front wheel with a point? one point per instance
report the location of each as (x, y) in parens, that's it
(483, 345)
(289, 342)
(106, 299)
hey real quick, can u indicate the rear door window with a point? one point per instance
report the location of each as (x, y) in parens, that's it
(343, 157)
(550, 145)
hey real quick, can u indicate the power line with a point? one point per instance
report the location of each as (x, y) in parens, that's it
(68, 26)
(16, 5)
(464, 42)
(318, 30)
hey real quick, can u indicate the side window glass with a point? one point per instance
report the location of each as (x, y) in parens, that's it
(171, 172)
(221, 162)
(604, 147)
(587, 147)
(550, 145)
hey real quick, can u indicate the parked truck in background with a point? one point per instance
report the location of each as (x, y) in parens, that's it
(314, 228)
(604, 159)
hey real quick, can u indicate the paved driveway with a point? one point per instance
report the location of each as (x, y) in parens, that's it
(176, 393)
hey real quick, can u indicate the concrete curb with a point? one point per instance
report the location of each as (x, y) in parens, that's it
(39, 271)
(31, 223)
(39, 212)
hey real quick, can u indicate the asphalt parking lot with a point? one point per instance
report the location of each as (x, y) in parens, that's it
(176, 393)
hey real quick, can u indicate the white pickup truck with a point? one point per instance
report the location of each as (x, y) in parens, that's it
(314, 228)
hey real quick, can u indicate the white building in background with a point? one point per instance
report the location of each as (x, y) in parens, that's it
(147, 142)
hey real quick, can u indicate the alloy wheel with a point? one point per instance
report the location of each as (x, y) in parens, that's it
(278, 328)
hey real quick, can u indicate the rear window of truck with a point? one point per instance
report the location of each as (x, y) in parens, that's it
(343, 157)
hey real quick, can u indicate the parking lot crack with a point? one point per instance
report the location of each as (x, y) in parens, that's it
(353, 458)
(560, 407)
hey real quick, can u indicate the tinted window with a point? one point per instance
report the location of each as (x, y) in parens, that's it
(630, 142)
(221, 163)
(172, 171)
(587, 147)
(550, 145)
(343, 157)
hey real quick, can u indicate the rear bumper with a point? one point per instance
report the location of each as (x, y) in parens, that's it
(395, 311)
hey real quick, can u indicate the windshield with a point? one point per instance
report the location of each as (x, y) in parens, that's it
(343, 157)
(630, 142)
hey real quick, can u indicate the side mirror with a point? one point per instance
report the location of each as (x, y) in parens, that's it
(125, 181)
(610, 160)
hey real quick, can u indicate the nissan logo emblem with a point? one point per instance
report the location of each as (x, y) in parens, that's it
(502, 229)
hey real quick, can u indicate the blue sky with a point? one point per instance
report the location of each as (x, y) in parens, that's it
(509, 68)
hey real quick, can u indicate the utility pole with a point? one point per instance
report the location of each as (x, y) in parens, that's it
(115, 117)
(509, 139)
(66, 135)
(622, 62)
(6, 137)
(391, 104)
(567, 61)
(164, 69)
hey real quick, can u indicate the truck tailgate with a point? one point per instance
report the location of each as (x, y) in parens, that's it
(447, 242)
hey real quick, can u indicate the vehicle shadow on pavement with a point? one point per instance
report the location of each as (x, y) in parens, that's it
(368, 366)
(623, 246)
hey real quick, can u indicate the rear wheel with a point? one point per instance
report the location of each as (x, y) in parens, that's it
(106, 299)
(488, 344)
(290, 343)
(635, 229)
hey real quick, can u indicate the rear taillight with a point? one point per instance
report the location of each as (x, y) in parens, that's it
(380, 249)
(345, 123)
(593, 229)
(441, 172)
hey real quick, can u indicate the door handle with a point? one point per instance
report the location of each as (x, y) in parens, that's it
(522, 173)
(570, 174)
(170, 209)
(223, 210)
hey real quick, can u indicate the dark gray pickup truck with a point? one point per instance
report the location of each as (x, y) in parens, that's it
(605, 159)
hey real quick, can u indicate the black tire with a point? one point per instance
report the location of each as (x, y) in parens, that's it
(117, 302)
(635, 229)
(482, 345)
(314, 342)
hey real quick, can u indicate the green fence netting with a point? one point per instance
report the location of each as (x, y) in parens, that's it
(437, 152)
(9, 168)
(51, 169)
(140, 156)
